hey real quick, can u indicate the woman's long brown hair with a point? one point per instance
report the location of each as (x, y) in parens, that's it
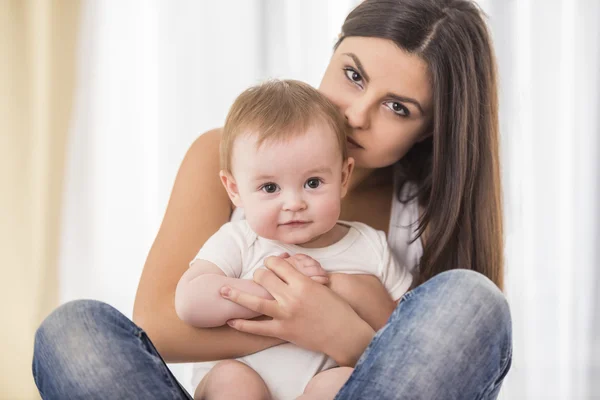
(457, 168)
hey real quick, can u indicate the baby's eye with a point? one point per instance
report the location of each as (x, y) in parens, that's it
(269, 187)
(313, 183)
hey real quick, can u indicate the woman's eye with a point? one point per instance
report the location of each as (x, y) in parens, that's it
(269, 188)
(313, 183)
(398, 108)
(352, 75)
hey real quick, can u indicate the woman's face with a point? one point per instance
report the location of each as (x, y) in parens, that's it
(385, 94)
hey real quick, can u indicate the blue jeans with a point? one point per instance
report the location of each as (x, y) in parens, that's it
(449, 338)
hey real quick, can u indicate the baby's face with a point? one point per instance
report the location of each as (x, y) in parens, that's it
(291, 190)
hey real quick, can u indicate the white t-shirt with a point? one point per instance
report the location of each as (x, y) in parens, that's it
(238, 252)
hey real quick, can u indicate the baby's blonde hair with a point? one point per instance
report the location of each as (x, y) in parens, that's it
(276, 110)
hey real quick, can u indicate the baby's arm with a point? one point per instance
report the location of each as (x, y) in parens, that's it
(197, 298)
(198, 302)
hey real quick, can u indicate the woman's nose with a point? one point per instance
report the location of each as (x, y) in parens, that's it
(357, 114)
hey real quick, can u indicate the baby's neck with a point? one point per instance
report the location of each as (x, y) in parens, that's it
(330, 237)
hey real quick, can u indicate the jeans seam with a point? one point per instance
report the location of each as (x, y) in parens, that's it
(405, 298)
(176, 390)
(500, 376)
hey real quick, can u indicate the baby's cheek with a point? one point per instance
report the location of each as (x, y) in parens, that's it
(262, 222)
(330, 209)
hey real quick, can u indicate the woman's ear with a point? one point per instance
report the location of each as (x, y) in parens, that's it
(347, 168)
(231, 187)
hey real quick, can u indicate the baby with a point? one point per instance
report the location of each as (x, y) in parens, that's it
(284, 162)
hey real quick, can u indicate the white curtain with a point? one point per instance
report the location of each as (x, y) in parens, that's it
(549, 61)
(155, 74)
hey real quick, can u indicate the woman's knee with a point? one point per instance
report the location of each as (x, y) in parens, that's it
(466, 292)
(458, 318)
(480, 292)
(461, 303)
(75, 337)
(72, 323)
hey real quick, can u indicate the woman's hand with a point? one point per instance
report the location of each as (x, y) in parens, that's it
(304, 312)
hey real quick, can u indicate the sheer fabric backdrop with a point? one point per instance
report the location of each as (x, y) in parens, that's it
(155, 74)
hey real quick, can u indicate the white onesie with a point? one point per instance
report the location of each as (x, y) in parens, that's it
(238, 252)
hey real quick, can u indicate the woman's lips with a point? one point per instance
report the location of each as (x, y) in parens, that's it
(353, 143)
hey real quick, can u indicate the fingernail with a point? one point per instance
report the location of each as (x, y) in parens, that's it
(225, 291)
(231, 323)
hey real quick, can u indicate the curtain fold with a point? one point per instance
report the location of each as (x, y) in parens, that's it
(37, 46)
(152, 75)
(548, 54)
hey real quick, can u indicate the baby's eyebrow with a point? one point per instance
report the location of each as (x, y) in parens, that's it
(319, 170)
(312, 171)
(263, 177)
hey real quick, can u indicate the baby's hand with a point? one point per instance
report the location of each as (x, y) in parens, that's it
(307, 266)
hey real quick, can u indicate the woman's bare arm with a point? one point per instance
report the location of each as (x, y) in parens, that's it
(198, 207)
(366, 295)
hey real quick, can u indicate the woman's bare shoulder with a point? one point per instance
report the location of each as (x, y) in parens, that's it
(205, 148)
(198, 201)
(197, 208)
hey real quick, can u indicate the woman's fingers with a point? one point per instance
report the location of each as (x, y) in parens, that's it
(283, 269)
(267, 279)
(323, 280)
(262, 328)
(251, 302)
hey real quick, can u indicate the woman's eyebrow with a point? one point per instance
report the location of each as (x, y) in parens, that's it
(359, 65)
(401, 99)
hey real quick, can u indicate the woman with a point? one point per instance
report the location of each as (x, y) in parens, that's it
(416, 82)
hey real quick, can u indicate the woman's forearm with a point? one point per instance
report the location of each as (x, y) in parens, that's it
(347, 348)
(366, 295)
(198, 302)
(371, 301)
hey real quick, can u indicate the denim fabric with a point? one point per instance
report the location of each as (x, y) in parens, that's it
(87, 349)
(450, 338)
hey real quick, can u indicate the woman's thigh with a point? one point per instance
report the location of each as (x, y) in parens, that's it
(449, 338)
(88, 349)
